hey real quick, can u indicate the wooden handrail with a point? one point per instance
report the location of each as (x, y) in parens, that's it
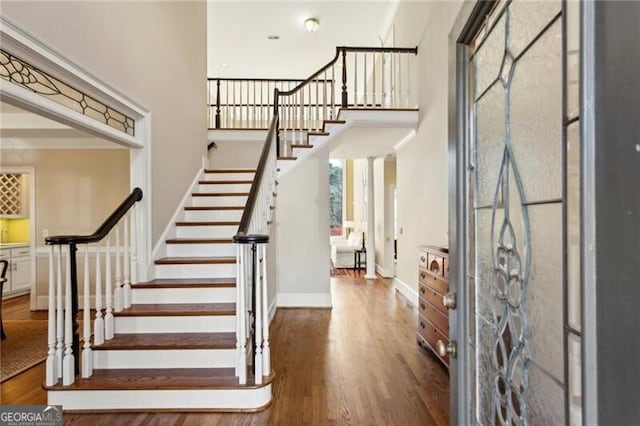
(241, 236)
(347, 49)
(103, 230)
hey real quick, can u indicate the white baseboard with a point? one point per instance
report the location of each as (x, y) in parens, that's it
(304, 300)
(273, 307)
(383, 272)
(409, 293)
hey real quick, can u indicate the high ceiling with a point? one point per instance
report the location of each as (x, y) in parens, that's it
(238, 35)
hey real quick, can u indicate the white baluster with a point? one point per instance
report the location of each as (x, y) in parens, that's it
(51, 367)
(266, 349)
(258, 315)
(59, 314)
(238, 310)
(134, 245)
(373, 79)
(117, 296)
(408, 85)
(399, 86)
(98, 323)
(242, 360)
(87, 357)
(68, 367)
(108, 316)
(126, 283)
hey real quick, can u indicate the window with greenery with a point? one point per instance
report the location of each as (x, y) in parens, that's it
(335, 197)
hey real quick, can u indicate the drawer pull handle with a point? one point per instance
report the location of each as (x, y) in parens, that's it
(422, 306)
(422, 275)
(421, 324)
(422, 259)
(421, 290)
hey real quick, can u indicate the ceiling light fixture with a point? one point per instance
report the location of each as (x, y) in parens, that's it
(311, 25)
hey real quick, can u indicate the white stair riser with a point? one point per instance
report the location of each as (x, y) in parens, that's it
(199, 250)
(164, 358)
(216, 188)
(176, 324)
(224, 231)
(229, 176)
(212, 215)
(225, 200)
(144, 399)
(141, 296)
(196, 270)
(301, 152)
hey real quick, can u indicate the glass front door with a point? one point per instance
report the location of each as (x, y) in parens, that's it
(523, 217)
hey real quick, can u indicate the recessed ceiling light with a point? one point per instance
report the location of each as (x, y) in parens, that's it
(273, 37)
(312, 25)
(224, 65)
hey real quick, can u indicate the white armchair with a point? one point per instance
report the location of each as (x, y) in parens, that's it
(343, 249)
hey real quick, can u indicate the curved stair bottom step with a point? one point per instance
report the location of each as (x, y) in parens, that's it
(210, 400)
(188, 389)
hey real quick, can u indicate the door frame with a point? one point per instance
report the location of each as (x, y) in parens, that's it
(610, 207)
(468, 22)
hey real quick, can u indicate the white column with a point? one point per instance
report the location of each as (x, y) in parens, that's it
(371, 224)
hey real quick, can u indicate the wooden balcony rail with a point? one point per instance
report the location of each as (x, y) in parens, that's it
(63, 356)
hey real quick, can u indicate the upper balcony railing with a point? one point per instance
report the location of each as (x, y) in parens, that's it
(356, 77)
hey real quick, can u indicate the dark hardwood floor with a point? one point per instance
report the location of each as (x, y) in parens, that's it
(357, 364)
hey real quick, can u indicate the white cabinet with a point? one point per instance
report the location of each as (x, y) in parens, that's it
(19, 270)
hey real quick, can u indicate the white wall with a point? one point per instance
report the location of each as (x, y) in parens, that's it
(384, 182)
(235, 154)
(422, 162)
(155, 53)
(302, 233)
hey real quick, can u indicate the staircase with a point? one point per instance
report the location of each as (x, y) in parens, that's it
(175, 346)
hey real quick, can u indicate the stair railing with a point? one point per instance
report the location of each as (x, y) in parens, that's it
(243, 103)
(368, 78)
(63, 356)
(252, 312)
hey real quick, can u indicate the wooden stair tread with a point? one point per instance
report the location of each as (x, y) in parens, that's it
(208, 223)
(178, 309)
(287, 158)
(224, 182)
(161, 378)
(169, 341)
(194, 260)
(301, 146)
(318, 134)
(214, 208)
(186, 283)
(220, 194)
(199, 241)
(230, 170)
(334, 121)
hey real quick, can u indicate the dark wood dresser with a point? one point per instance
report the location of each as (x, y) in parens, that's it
(433, 318)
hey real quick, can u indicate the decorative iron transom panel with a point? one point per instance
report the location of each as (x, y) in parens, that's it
(23, 74)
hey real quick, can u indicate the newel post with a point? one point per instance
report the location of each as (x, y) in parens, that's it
(75, 345)
(344, 78)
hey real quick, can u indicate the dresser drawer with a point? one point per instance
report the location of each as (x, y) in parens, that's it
(433, 297)
(5, 254)
(427, 310)
(436, 264)
(431, 335)
(422, 260)
(438, 284)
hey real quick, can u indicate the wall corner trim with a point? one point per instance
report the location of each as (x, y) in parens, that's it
(404, 289)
